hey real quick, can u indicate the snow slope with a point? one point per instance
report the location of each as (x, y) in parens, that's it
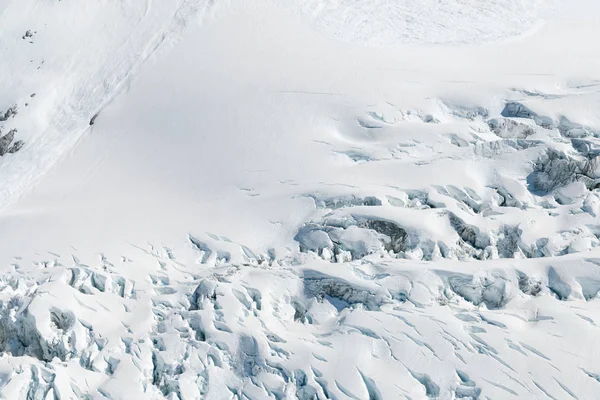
(63, 63)
(306, 200)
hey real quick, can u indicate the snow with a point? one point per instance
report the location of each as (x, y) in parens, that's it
(426, 22)
(66, 76)
(304, 200)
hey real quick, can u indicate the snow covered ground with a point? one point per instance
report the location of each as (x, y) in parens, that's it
(367, 199)
(386, 23)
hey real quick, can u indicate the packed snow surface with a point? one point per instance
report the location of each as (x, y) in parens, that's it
(299, 200)
(385, 22)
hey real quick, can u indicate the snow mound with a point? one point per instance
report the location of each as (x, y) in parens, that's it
(455, 22)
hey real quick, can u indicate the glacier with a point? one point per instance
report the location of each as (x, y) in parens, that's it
(352, 199)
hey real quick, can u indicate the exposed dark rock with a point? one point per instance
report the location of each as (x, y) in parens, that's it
(11, 112)
(16, 146)
(6, 140)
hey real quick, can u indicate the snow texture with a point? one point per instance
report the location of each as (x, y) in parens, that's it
(308, 200)
(454, 22)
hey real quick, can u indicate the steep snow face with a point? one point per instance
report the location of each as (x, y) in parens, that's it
(64, 61)
(426, 22)
(269, 212)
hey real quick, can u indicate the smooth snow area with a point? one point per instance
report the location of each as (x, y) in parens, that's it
(257, 200)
